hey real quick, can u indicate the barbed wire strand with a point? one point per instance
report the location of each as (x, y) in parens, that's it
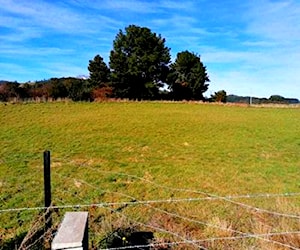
(211, 225)
(211, 195)
(237, 203)
(37, 240)
(137, 202)
(244, 235)
(34, 229)
(222, 228)
(228, 199)
(29, 236)
(109, 204)
(116, 211)
(208, 196)
(155, 228)
(133, 198)
(147, 202)
(192, 220)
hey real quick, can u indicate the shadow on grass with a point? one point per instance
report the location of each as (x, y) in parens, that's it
(12, 243)
(128, 237)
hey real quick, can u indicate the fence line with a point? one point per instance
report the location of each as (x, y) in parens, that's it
(244, 235)
(125, 216)
(136, 202)
(209, 194)
(136, 222)
(142, 202)
(185, 218)
(35, 228)
(155, 228)
(105, 205)
(212, 196)
(209, 197)
(222, 228)
(228, 199)
(203, 223)
(207, 224)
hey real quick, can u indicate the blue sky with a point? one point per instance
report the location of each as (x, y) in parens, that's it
(249, 47)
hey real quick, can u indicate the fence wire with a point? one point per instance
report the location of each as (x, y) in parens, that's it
(181, 240)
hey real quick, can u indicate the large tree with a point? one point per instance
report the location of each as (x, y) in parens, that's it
(99, 72)
(139, 63)
(188, 77)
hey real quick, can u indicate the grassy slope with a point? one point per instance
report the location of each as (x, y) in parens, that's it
(217, 149)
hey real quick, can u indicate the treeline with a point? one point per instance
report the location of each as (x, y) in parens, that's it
(54, 88)
(139, 68)
(75, 89)
(79, 89)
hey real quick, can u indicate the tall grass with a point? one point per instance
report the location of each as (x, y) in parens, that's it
(221, 150)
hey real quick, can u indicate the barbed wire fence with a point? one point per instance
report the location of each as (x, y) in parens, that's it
(211, 197)
(175, 239)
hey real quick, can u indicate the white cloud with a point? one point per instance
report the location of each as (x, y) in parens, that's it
(277, 21)
(136, 6)
(259, 74)
(26, 52)
(179, 5)
(20, 72)
(41, 15)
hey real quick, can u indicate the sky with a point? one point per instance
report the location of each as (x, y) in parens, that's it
(250, 47)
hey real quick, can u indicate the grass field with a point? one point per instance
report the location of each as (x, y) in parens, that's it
(124, 151)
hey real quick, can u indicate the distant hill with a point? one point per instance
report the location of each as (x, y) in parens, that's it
(256, 100)
(3, 81)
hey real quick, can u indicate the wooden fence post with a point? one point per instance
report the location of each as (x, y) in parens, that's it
(47, 189)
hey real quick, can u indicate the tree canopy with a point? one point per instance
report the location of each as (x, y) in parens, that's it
(99, 72)
(276, 98)
(139, 63)
(220, 96)
(188, 77)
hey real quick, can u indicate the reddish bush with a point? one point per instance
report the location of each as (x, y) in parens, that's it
(102, 93)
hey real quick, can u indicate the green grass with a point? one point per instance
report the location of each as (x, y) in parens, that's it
(222, 150)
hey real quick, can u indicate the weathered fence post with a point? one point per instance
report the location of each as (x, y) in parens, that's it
(47, 189)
